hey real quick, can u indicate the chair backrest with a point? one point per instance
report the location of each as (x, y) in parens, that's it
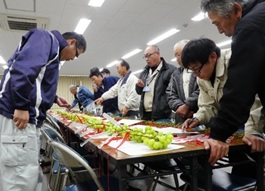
(53, 123)
(50, 133)
(71, 159)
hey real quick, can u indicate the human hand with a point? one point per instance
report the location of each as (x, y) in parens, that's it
(99, 101)
(256, 143)
(62, 102)
(218, 149)
(21, 118)
(124, 111)
(140, 83)
(183, 110)
(191, 123)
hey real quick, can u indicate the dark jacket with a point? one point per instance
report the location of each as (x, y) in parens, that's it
(175, 92)
(30, 81)
(160, 108)
(110, 105)
(245, 73)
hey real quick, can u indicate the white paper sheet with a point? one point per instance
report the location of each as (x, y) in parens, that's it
(129, 121)
(133, 148)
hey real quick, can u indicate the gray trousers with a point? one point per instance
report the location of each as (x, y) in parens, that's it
(19, 157)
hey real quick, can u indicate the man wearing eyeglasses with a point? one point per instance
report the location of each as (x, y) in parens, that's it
(244, 21)
(27, 91)
(213, 63)
(152, 85)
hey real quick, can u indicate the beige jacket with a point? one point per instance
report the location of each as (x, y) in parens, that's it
(209, 97)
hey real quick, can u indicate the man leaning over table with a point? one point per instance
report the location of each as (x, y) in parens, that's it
(27, 91)
(83, 97)
(244, 21)
(210, 65)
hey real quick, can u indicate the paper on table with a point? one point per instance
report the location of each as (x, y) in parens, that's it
(129, 121)
(175, 131)
(133, 148)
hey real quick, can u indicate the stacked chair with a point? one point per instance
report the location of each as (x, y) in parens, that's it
(71, 169)
(59, 174)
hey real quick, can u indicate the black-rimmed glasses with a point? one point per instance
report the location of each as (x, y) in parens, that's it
(196, 71)
(148, 55)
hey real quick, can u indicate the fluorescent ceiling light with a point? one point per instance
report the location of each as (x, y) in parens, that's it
(112, 63)
(138, 71)
(130, 54)
(173, 60)
(163, 36)
(2, 61)
(224, 43)
(96, 3)
(82, 25)
(199, 17)
(100, 69)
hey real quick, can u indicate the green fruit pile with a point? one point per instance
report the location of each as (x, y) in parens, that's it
(153, 139)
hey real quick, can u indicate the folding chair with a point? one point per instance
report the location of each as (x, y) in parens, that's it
(73, 161)
(59, 172)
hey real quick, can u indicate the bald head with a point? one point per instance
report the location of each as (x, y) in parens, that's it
(178, 50)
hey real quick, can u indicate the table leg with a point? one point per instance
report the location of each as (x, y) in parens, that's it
(208, 176)
(194, 173)
(122, 176)
(260, 171)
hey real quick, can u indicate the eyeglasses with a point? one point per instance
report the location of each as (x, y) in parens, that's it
(148, 55)
(197, 71)
(76, 51)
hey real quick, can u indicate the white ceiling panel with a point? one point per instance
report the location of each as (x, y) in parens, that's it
(117, 27)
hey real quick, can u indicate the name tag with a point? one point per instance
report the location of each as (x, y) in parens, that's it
(146, 89)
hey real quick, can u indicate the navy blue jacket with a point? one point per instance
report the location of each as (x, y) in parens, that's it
(30, 81)
(110, 105)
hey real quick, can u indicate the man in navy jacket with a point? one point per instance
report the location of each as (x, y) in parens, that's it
(27, 91)
(103, 84)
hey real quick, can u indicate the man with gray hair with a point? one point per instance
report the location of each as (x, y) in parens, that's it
(152, 85)
(244, 21)
(83, 97)
(182, 91)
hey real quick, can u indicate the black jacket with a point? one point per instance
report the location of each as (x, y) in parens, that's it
(160, 108)
(245, 72)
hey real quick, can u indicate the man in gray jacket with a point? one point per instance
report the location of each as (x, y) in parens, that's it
(182, 91)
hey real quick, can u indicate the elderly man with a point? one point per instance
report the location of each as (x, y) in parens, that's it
(83, 97)
(244, 21)
(182, 91)
(152, 85)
